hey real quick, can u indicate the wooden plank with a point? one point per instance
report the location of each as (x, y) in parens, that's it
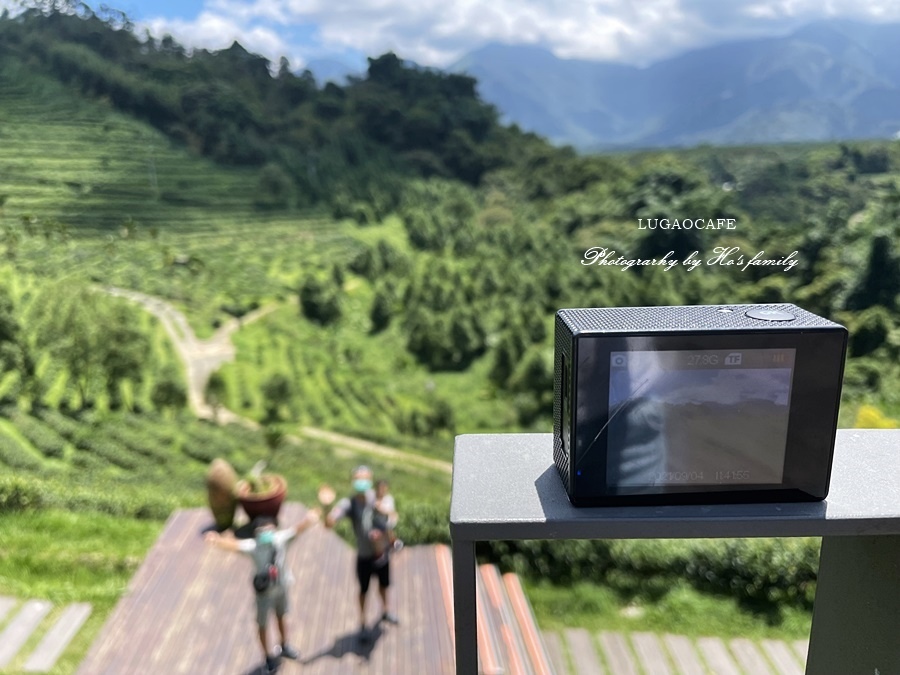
(651, 654)
(161, 623)
(445, 572)
(583, 652)
(20, 629)
(781, 657)
(325, 631)
(441, 573)
(801, 648)
(685, 656)
(534, 646)
(148, 596)
(153, 595)
(55, 641)
(717, 656)
(440, 628)
(617, 653)
(488, 630)
(412, 585)
(749, 657)
(516, 654)
(6, 605)
(556, 652)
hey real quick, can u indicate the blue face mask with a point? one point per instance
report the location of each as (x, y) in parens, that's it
(266, 537)
(362, 484)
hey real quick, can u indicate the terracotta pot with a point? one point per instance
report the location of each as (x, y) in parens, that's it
(220, 482)
(264, 504)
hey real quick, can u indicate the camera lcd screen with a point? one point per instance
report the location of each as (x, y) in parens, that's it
(708, 417)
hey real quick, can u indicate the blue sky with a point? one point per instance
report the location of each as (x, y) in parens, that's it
(145, 9)
(439, 32)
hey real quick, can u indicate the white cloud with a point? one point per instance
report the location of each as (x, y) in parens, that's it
(437, 32)
(216, 31)
(14, 6)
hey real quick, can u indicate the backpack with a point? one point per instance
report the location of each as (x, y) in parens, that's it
(263, 580)
(361, 515)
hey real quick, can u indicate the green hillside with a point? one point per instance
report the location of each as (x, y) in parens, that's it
(86, 165)
(437, 318)
(339, 146)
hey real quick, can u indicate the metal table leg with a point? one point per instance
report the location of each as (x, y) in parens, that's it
(464, 609)
(856, 618)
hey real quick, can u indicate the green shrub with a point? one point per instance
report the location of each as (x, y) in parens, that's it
(137, 441)
(424, 524)
(65, 426)
(751, 570)
(85, 461)
(19, 494)
(116, 502)
(201, 452)
(108, 450)
(41, 436)
(15, 456)
(562, 561)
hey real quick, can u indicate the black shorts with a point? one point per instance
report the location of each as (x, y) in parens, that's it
(366, 568)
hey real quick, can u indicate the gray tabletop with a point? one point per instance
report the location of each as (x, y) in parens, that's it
(505, 486)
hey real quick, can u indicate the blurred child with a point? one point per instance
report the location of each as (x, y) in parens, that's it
(384, 520)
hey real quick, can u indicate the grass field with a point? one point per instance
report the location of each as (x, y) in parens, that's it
(68, 557)
(667, 608)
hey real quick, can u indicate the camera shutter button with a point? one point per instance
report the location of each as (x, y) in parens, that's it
(764, 314)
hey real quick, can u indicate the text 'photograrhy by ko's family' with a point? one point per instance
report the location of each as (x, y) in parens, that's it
(725, 256)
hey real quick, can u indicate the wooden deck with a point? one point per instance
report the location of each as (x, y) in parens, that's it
(190, 609)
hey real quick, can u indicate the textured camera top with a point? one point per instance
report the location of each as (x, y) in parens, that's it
(688, 317)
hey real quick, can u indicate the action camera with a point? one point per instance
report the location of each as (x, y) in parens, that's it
(696, 404)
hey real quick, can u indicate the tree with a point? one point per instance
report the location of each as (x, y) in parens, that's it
(870, 331)
(216, 392)
(14, 354)
(274, 188)
(95, 338)
(880, 282)
(168, 392)
(276, 390)
(382, 310)
(320, 300)
(121, 351)
(66, 321)
(507, 354)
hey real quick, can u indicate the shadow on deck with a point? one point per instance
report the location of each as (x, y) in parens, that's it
(190, 609)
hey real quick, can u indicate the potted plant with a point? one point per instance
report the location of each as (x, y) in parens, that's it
(261, 494)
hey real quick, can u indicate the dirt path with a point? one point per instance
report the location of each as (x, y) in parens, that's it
(376, 449)
(201, 358)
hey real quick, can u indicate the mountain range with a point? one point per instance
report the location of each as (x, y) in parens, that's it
(829, 80)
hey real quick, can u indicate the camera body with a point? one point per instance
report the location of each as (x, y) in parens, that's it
(696, 404)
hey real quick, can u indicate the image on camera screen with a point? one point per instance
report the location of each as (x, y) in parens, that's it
(698, 417)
